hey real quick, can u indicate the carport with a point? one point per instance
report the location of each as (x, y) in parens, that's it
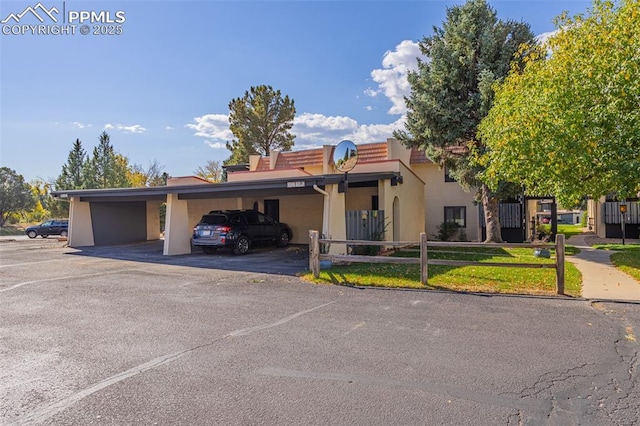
(99, 217)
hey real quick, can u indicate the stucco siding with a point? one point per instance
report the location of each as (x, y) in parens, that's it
(438, 194)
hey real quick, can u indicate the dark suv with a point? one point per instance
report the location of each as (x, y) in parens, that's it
(50, 227)
(238, 229)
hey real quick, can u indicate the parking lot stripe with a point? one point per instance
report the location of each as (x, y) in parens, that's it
(46, 413)
(249, 330)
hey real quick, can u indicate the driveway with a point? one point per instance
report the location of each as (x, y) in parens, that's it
(289, 260)
(115, 338)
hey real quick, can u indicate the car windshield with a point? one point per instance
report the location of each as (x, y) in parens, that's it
(213, 219)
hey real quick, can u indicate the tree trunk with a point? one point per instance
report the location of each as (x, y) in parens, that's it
(491, 216)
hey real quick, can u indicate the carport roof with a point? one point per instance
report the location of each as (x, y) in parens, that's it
(280, 186)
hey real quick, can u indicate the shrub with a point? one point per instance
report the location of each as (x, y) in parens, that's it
(447, 231)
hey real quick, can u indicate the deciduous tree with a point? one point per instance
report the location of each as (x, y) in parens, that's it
(451, 93)
(260, 121)
(569, 123)
(211, 171)
(15, 194)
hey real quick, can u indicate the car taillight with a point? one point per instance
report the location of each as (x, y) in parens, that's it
(223, 228)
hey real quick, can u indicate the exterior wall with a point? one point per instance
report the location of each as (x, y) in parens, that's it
(186, 180)
(359, 198)
(178, 229)
(594, 217)
(396, 150)
(411, 207)
(302, 213)
(269, 174)
(153, 220)
(439, 194)
(197, 208)
(80, 226)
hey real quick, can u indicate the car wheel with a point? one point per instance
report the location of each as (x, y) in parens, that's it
(283, 241)
(242, 245)
(63, 234)
(32, 234)
(209, 250)
(44, 236)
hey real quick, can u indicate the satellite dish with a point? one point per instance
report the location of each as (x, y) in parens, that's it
(345, 156)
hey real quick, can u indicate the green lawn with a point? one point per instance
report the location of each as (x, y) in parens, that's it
(486, 279)
(567, 230)
(626, 258)
(7, 230)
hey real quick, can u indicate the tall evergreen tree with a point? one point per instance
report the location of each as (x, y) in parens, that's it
(452, 91)
(260, 121)
(106, 168)
(72, 172)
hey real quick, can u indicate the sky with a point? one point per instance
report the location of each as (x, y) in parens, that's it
(160, 80)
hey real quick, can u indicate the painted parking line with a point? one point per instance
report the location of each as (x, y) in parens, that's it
(46, 413)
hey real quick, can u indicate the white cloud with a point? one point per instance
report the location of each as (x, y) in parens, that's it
(169, 128)
(215, 145)
(372, 93)
(369, 108)
(214, 128)
(80, 125)
(318, 129)
(311, 130)
(544, 37)
(136, 128)
(392, 78)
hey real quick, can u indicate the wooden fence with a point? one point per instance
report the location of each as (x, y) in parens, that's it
(315, 256)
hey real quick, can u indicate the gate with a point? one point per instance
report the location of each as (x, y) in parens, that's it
(365, 225)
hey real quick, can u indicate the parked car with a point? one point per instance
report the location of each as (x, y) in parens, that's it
(239, 230)
(50, 227)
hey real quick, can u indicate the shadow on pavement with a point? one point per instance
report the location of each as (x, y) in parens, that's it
(291, 260)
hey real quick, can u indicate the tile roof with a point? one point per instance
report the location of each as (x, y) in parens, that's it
(367, 153)
(371, 152)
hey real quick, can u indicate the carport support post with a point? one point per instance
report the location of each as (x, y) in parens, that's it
(560, 263)
(314, 253)
(424, 268)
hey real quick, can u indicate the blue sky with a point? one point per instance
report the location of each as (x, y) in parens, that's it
(161, 89)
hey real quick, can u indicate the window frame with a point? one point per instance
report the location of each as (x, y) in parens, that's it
(463, 213)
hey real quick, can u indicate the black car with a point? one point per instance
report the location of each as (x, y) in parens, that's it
(238, 229)
(50, 227)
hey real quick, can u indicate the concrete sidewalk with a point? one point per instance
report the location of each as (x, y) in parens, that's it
(600, 279)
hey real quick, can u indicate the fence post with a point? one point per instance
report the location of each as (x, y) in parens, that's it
(560, 263)
(424, 269)
(314, 253)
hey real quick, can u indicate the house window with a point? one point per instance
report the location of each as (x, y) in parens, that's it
(457, 215)
(447, 176)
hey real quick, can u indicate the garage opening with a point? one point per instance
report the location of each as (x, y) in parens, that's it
(119, 222)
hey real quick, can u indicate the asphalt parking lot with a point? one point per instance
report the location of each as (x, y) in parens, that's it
(124, 335)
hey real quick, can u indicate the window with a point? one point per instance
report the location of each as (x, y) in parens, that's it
(447, 176)
(457, 215)
(374, 202)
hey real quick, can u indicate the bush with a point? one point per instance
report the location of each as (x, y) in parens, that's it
(583, 219)
(447, 231)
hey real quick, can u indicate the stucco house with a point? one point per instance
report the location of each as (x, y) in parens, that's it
(605, 218)
(301, 188)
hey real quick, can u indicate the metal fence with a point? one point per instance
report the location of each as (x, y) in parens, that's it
(612, 215)
(365, 225)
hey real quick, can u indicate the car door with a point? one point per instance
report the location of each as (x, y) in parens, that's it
(268, 227)
(46, 227)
